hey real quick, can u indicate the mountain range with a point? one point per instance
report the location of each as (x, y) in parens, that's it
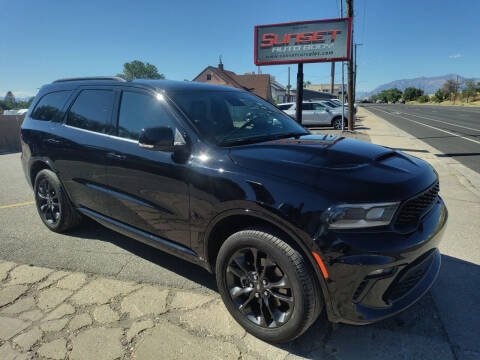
(429, 85)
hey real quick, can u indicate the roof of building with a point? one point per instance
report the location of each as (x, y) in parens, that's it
(259, 84)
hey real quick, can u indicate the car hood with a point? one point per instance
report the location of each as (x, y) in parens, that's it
(348, 169)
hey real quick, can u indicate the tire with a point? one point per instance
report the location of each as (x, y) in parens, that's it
(337, 123)
(289, 301)
(53, 204)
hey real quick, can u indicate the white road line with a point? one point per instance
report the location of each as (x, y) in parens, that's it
(444, 122)
(433, 127)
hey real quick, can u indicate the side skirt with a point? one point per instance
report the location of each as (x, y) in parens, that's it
(146, 238)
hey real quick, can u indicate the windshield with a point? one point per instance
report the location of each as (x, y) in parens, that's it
(234, 117)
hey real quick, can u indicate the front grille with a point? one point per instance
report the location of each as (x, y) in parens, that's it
(411, 211)
(408, 277)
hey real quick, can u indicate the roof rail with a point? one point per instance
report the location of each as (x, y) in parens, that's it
(113, 78)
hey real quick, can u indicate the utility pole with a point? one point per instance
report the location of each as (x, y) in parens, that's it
(332, 77)
(299, 94)
(289, 86)
(351, 115)
(456, 90)
(355, 73)
(343, 78)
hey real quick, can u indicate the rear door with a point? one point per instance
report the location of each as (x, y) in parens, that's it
(308, 115)
(80, 147)
(149, 190)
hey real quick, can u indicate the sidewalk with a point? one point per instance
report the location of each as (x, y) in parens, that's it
(55, 314)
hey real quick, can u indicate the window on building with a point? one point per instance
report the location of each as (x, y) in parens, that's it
(140, 111)
(209, 76)
(49, 108)
(92, 110)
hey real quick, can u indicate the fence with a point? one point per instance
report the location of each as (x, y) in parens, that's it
(10, 132)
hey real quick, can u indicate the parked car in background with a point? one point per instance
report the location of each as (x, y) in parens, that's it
(291, 223)
(339, 103)
(315, 113)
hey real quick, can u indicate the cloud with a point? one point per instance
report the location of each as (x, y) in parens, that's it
(456, 56)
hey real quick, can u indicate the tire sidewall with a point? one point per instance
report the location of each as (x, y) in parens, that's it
(53, 181)
(295, 324)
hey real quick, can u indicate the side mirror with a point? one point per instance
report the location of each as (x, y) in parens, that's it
(327, 110)
(157, 138)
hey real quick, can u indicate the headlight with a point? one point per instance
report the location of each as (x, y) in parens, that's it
(351, 216)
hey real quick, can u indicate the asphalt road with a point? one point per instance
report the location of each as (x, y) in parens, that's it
(453, 130)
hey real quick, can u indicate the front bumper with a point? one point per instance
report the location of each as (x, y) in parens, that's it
(411, 263)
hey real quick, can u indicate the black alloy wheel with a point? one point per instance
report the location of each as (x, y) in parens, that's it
(48, 202)
(259, 288)
(267, 285)
(53, 204)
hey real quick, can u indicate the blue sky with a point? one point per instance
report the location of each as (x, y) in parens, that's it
(42, 40)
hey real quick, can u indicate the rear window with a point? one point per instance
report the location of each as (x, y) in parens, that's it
(92, 110)
(50, 106)
(307, 106)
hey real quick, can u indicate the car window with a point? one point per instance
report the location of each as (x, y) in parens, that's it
(318, 107)
(307, 106)
(140, 111)
(285, 107)
(231, 117)
(92, 110)
(49, 108)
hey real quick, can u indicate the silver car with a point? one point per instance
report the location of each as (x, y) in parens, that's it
(314, 113)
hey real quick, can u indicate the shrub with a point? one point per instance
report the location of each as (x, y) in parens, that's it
(424, 99)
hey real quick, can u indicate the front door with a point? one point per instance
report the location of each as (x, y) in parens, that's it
(149, 190)
(321, 116)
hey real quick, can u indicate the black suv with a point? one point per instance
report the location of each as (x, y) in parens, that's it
(291, 223)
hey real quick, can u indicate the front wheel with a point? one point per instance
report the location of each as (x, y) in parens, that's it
(267, 286)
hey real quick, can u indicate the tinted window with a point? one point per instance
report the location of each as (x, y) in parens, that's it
(307, 106)
(318, 107)
(140, 111)
(232, 117)
(92, 110)
(49, 108)
(284, 107)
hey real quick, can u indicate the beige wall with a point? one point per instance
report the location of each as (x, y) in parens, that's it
(10, 132)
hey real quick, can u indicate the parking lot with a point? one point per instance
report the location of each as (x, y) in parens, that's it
(443, 325)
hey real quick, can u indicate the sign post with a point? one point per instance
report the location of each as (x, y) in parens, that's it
(303, 42)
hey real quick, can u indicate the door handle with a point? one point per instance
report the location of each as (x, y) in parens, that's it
(113, 155)
(53, 141)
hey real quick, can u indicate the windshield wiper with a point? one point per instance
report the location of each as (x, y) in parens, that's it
(255, 139)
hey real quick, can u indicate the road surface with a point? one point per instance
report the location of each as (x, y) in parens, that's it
(453, 130)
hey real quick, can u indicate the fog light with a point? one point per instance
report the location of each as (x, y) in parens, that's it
(381, 272)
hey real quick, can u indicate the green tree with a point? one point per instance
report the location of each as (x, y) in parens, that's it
(449, 88)
(439, 96)
(470, 89)
(139, 70)
(9, 98)
(424, 99)
(411, 94)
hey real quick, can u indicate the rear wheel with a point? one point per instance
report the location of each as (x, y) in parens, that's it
(53, 205)
(267, 285)
(337, 123)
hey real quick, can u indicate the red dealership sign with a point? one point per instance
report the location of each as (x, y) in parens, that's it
(304, 41)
